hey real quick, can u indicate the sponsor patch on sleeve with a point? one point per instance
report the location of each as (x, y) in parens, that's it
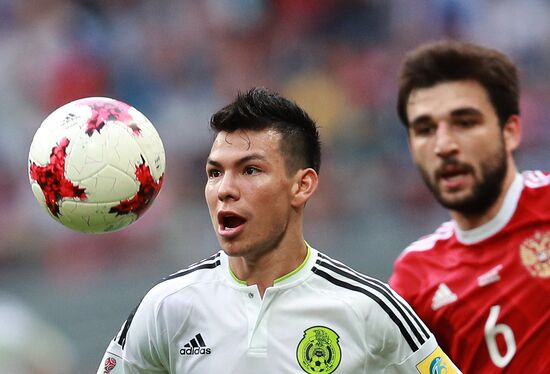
(436, 363)
(110, 364)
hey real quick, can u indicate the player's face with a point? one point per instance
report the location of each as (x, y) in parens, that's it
(248, 191)
(458, 145)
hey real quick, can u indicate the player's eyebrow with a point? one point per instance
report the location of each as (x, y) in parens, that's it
(243, 160)
(423, 119)
(468, 111)
(211, 162)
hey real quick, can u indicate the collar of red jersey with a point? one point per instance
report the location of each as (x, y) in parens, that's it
(499, 221)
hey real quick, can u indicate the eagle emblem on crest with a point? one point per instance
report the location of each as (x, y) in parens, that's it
(319, 350)
(535, 254)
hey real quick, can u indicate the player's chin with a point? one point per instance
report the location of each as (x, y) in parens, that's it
(233, 248)
(228, 243)
(455, 190)
(458, 201)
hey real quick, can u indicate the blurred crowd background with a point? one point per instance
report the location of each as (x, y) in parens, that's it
(63, 295)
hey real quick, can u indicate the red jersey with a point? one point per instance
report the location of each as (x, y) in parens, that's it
(485, 293)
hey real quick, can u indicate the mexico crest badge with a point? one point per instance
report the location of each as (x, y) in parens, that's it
(319, 351)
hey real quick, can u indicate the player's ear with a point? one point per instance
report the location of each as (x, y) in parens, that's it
(305, 184)
(512, 133)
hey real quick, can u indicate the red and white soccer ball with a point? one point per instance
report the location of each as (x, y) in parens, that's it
(96, 164)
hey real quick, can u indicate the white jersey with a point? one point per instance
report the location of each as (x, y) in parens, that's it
(321, 318)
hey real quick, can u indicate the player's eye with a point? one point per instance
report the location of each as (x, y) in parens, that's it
(423, 129)
(251, 170)
(465, 122)
(213, 173)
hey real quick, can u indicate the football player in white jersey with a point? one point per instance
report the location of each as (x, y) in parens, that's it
(267, 302)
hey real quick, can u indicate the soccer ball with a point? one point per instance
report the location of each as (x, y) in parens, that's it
(96, 164)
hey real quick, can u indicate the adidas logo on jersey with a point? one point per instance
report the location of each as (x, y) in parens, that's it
(443, 296)
(489, 277)
(196, 346)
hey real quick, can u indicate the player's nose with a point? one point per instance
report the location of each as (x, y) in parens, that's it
(228, 187)
(445, 141)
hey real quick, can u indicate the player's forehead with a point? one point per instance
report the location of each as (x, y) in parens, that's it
(445, 98)
(238, 144)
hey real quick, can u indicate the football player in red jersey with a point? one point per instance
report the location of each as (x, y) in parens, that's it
(481, 281)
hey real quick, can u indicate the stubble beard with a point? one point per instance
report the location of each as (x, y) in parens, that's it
(485, 192)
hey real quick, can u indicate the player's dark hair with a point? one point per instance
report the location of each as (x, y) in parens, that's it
(447, 61)
(260, 109)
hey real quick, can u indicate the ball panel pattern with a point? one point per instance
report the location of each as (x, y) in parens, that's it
(96, 164)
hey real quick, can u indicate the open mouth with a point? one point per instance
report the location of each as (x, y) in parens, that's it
(230, 222)
(453, 175)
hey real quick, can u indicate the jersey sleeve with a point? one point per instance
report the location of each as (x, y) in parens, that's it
(111, 363)
(137, 348)
(402, 343)
(405, 279)
(428, 359)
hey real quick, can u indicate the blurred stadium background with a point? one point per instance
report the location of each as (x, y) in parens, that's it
(178, 61)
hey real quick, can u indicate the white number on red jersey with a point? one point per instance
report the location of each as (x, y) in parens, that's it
(492, 330)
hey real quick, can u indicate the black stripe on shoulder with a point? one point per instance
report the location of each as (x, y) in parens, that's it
(122, 338)
(383, 305)
(406, 312)
(208, 263)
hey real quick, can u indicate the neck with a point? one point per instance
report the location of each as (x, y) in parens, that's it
(270, 266)
(469, 222)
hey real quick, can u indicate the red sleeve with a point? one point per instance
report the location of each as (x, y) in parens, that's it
(405, 280)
